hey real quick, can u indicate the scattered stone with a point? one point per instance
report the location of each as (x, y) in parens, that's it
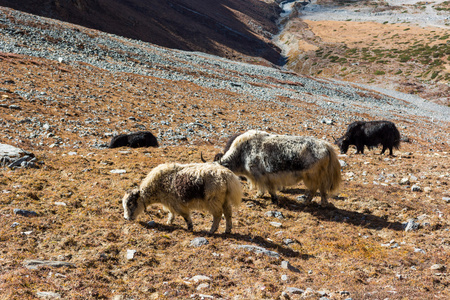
(418, 250)
(35, 263)
(438, 267)
(259, 250)
(343, 163)
(118, 171)
(151, 224)
(287, 242)
(286, 265)
(25, 213)
(203, 286)
(411, 225)
(404, 181)
(284, 277)
(14, 224)
(294, 290)
(60, 203)
(416, 188)
(48, 295)
(274, 214)
(130, 254)
(199, 241)
(327, 121)
(200, 278)
(276, 224)
(446, 199)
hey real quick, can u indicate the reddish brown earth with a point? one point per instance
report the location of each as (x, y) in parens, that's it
(230, 28)
(357, 250)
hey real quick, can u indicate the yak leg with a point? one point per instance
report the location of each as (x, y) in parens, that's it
(227, 212)
(171, 217)
(360, 148)
(391, 153)
(324, 202)
(274, 197)
(384, 149)
(216, 221)
(187, 218)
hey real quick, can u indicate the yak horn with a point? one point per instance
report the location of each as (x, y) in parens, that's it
(201, 157)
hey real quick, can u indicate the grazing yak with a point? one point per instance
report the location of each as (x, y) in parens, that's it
(181, 188)
(370, 134)
(134, 140)
(272, 162)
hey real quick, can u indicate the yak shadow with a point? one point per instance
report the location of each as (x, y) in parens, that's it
(334, 214)
(247, 238)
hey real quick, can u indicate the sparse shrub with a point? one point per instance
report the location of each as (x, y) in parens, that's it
(404, 58)
(379, 72)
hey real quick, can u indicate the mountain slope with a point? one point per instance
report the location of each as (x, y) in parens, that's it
(65, 90)
(229, 28)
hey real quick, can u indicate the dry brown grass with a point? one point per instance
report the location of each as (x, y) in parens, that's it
(334, 249)
(402, 57)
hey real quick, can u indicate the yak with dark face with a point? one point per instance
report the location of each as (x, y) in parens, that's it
(370, 134)
(272, 162)
(134, 140)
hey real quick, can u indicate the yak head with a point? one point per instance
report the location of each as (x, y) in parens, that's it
(343, 144)
(131, 205)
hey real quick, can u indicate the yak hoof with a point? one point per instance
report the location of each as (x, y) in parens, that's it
(327, 205)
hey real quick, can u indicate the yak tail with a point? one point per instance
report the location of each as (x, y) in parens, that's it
(333, 171)
(234, 191)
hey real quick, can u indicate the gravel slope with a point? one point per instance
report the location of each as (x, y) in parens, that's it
(73, 45)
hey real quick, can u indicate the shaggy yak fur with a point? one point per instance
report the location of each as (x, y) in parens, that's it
(272, 162)
(181, 188)
(370, 134)
(134, 140)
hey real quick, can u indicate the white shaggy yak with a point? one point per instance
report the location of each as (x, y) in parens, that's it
(181, 188)
(272, 162)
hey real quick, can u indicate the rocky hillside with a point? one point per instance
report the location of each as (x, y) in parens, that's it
(229, 28)
(397, 44)
(66, 90)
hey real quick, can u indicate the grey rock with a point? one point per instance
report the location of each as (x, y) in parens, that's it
(286, 265)
(294, 290)
(25, 213)
(35, 263)
(259, 250)
(438, 267)
(48, 295)
(130, 254)
(276, 224)
(342, 163)
(288, 241)
(411, 225)
(416, 188)
(274, 214)
(199, 241)
(446, 199)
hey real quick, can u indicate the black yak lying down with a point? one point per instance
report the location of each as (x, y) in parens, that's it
(134, 140)
(272, 162)
(370, 134)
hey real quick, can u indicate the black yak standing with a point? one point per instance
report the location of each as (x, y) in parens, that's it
(370, 134)
(134, 140)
